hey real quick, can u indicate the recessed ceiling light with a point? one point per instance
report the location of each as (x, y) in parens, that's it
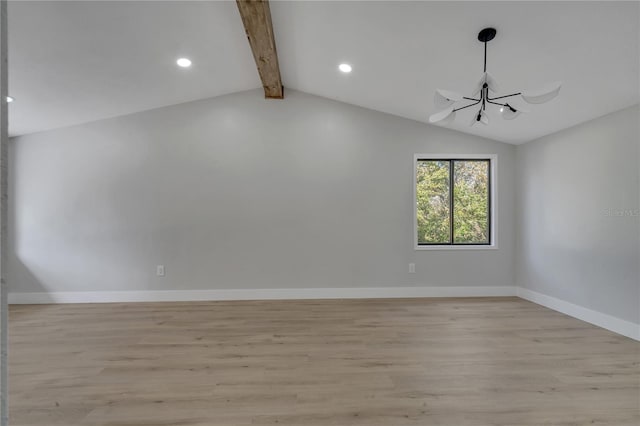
(346, 68)
(10, 99)
(183, 62)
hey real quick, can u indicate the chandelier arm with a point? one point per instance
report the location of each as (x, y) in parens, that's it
(467, 106)
(496, 103)
(505, 96)
(471, 99)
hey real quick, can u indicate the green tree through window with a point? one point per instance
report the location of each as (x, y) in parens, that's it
(453, 201)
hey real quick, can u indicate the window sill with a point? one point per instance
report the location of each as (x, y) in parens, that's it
(460, 247)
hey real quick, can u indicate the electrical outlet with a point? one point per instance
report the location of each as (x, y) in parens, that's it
(412, 268)
(160, 270)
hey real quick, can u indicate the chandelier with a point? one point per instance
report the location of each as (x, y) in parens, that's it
(445, 101)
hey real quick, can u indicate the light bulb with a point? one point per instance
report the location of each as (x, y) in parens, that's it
(183, 62)
(345, 68)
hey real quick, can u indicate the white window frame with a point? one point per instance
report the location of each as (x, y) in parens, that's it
(493, 199)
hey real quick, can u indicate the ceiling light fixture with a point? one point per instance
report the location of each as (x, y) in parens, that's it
(10, 99)
(184, 62)
(345, 68)
(444, 100)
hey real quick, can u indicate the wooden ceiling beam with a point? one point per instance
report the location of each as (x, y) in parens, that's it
(256, 17)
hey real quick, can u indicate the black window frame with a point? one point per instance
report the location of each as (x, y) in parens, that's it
(451, 161)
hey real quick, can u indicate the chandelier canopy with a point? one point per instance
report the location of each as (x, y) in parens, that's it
(445, 100)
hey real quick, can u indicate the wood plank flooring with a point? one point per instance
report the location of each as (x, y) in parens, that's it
(453, 362)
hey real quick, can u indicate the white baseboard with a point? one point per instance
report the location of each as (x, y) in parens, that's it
(617, 325)
(257, 294)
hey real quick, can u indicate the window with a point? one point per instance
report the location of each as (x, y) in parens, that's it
(454, 201)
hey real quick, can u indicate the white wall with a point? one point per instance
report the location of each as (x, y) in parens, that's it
(239, 192)
(579, 215)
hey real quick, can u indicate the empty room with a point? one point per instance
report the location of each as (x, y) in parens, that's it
(319, 213)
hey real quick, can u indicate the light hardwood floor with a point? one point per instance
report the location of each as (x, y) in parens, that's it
(453, 362)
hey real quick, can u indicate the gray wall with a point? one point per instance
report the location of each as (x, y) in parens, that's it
(579, 220)
(239, 192)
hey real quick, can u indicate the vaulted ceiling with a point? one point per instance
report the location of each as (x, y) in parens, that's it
(73, 62)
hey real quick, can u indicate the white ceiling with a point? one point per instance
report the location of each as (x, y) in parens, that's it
(72, 62)
(78, 61)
